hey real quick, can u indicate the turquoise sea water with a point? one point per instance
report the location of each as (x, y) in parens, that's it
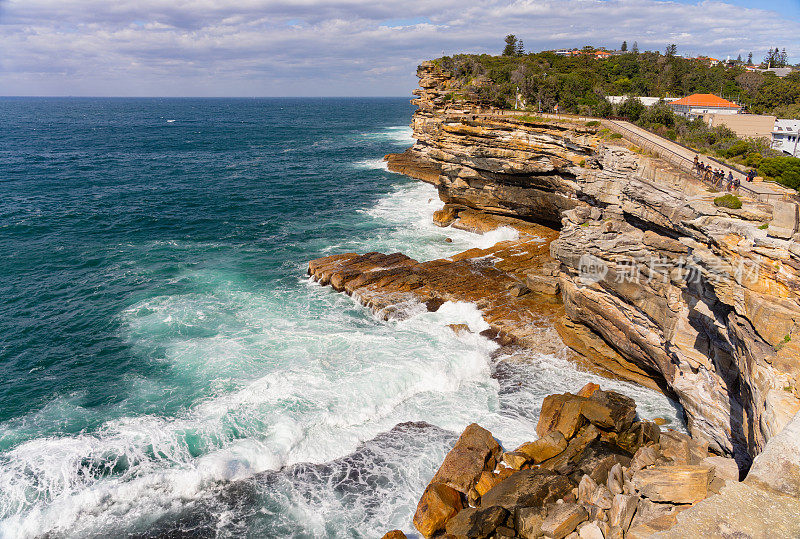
(165, 365)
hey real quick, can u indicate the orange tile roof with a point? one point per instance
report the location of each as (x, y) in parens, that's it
(705, 100)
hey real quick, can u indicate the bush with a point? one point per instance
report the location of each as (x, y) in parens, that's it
(784, 170)
(593, 123)
(616, 135)
(728, 201)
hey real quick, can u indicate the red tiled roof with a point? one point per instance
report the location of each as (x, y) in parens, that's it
(705, 100)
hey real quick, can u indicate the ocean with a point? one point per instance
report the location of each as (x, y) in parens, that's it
(167, 368)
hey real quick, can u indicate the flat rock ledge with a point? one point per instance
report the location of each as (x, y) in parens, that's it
(514, 284)
(597, 471)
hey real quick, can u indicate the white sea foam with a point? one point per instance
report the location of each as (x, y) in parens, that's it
(263, 379)
(400, 134)
(371, 164)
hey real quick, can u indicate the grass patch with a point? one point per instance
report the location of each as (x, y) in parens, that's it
(728, 201)
(616, 135)
(764, 226)
(593, 123)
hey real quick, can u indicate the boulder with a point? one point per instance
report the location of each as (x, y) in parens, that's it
(438, 504)
(394, 534)
(489, 479)
(562, 519)
(644, 457)
(622, 510)
(682, 449)
(602, 498)
(528, 521)
(651, 517)
(680, 483)
(724, 468)
(588, 390)
(597, 459)
(777, 468)
(590, 531)
(515, 459)
(445, 216)
(474, 451)
(561, 413)
(545, 447)
(471, 522)
(585, 436)
(586, 488)
(609, 410)
(640, 434)
(615, 479)
(534, 487)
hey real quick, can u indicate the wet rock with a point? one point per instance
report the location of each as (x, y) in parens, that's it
(640, 434)
(474, 451)
(445, 216)
(438, 504)
(533, 487)
(562, 519)
(546, 447)
(489, 479)
(515, 459)
(460, 329)
(394, 534)
(479, 523)
(681, 483)
(576, 445)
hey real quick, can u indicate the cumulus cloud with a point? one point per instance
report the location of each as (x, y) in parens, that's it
(329, 47)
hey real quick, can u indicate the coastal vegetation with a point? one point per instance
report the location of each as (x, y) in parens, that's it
(579, 84)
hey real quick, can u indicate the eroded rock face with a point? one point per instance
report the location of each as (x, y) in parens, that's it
(500, 165)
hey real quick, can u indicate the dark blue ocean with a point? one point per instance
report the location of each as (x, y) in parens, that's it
(166, 367)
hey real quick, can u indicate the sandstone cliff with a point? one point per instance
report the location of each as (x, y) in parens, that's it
(700, 297)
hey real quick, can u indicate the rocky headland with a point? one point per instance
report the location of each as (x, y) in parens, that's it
(628, 262)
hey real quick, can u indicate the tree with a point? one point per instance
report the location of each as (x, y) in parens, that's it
(783, 58)
(671, 50)
(624, 46)
(635, 49)
(511, 45)
(750, 59)
(520, 48)
(739, 59)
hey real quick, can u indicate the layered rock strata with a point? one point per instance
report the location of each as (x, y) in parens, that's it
(703, 298)
(595, 471)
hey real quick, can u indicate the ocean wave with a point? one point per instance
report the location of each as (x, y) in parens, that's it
(400, 134)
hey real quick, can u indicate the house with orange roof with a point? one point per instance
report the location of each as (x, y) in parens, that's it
(602, 55)
(696, 105)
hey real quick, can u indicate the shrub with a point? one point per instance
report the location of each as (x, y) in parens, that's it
(593, 123)
(616, 135)
(764, 226)
(728, 201)
(784, 170)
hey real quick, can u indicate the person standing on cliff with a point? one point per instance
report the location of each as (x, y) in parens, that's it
(696, 161)
(730, 181)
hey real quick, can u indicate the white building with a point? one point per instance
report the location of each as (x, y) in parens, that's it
(785, 137)
(646, 101)
(696, 105)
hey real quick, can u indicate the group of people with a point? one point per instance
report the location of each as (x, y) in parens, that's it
(716, 176)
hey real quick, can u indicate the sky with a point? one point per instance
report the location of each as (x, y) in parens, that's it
(339, 47)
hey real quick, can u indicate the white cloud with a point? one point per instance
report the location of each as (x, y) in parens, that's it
(337, 47)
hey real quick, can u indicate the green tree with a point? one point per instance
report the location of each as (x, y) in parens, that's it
(511, 45)
(632, 109)
(635, 49)
(739, 59)
(750, 59)
(624, 46)
(520, 48)
(671, 50)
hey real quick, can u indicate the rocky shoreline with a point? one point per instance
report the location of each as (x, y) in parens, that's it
(628, 263)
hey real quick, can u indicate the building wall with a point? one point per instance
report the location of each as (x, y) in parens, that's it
(744, 125)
